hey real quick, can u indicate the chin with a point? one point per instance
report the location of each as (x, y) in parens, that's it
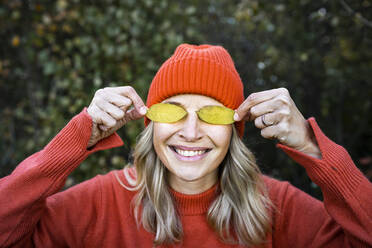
(188, 176)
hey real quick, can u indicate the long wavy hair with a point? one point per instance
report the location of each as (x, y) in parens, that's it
(239, 214)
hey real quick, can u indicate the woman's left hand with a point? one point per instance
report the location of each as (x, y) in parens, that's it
(275, 113)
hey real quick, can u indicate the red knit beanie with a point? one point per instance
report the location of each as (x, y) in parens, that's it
(205, 70)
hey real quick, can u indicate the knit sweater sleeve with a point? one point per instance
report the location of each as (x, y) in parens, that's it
(24, 193)
(344, 219)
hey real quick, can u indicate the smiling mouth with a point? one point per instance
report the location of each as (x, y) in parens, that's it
(190, 152)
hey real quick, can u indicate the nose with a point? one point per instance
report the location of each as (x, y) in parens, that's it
(191, 130)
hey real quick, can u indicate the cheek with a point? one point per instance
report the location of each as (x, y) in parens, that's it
(162, 132)
(221, 135)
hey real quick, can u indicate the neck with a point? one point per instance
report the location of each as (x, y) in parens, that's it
(194, 186)
(195, 204)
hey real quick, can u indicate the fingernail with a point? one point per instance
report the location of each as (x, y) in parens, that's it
(236, 117)
(143, 110)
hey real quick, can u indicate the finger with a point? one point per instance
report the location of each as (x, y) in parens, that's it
(279, 131)
(129, 92)
(109, 108)
(281, 102)
(117, 126)
(262, 108)
(133, 114)
(101, 118)
(269, 132)
(121, 101)
(266, 120)
(256, 98)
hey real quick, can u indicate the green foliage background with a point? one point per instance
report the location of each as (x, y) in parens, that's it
(56, 54)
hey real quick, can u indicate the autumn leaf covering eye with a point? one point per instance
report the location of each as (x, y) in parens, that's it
(216, 115)
(166, 113)
(169, 113)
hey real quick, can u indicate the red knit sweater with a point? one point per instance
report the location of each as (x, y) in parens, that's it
(97, 213)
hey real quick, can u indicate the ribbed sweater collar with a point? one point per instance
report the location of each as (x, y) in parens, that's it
(195, 204)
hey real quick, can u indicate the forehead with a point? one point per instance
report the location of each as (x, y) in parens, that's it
(193, 100)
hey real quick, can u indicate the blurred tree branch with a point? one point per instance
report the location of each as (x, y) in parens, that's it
(357, 15)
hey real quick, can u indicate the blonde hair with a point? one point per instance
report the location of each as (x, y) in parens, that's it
(242, 205)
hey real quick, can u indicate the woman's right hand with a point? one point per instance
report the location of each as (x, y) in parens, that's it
(111, 108)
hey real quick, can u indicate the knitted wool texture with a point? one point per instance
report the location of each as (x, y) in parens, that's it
(206, 70)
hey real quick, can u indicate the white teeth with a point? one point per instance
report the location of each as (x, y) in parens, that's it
(189, 153)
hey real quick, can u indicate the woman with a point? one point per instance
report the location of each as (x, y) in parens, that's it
(193, 182)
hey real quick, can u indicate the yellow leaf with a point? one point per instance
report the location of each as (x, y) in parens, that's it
(166, 113)
(216, 115)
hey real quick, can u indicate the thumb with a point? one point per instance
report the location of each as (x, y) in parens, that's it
(134, 114)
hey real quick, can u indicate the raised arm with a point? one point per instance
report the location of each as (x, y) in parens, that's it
(24, 194)
(345, 217)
